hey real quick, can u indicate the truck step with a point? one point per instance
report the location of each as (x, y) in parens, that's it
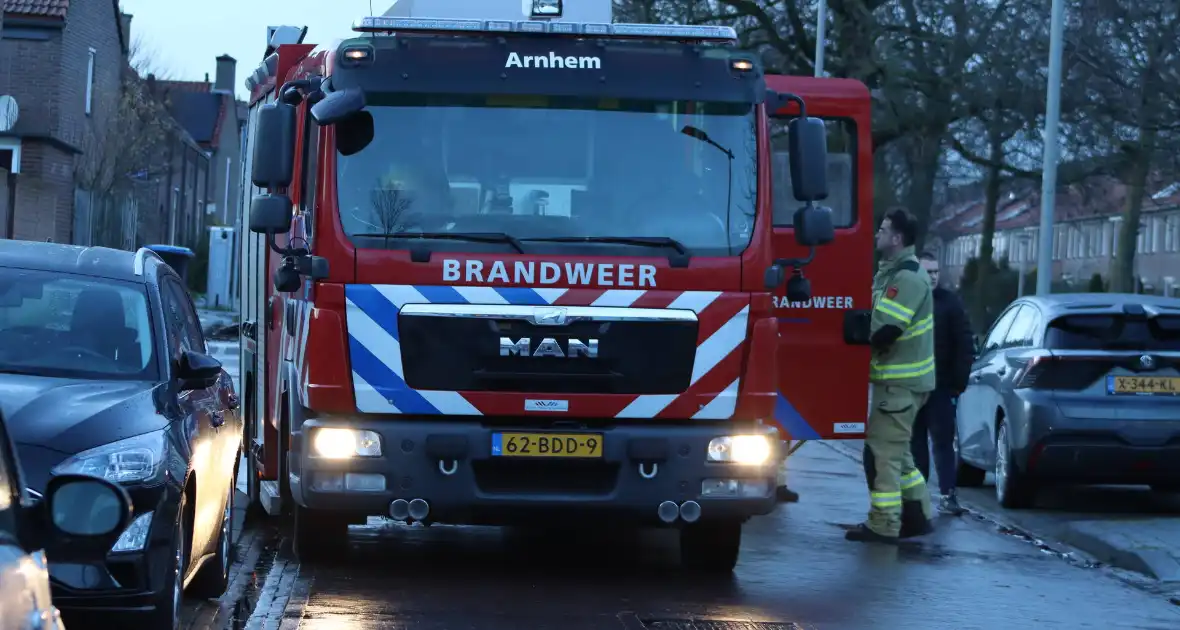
(272, 501)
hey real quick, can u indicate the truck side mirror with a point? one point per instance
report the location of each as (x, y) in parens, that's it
(813, 226)
(273, 162)
(270, 214)
(808, 149)
(338, 106)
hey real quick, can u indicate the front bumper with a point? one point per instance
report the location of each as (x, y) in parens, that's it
(127, 581)
(449, 465)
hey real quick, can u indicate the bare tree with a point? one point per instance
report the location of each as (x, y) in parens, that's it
(126, 139)
(390, 201)
(145, 59)
(1131, 63)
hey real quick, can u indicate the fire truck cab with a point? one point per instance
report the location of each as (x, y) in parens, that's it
(516, 267)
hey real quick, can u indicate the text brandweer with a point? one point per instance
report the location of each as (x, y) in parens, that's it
(553, 60)
(529, 272)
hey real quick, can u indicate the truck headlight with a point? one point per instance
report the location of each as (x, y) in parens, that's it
(333, 443)
(133, 460)
(749, 450)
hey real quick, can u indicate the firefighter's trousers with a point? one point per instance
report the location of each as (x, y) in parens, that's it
(893, 479)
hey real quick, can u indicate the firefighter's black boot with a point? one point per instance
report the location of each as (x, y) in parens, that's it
(913, 521)
(862, 533)
(786, 495)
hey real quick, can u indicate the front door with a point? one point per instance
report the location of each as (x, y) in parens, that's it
(823, 380)
(202, 418)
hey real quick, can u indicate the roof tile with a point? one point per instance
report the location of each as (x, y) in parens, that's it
(42, 8)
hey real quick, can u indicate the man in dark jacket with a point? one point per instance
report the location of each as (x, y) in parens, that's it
(954, 351)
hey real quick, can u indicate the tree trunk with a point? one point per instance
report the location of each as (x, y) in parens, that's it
(927, 155)
(1122, 277)
(986, 247)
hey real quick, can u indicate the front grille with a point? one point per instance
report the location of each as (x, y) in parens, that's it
(507, 476)
(464, 354)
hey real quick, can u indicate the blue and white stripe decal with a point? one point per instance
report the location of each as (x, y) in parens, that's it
(373, 341)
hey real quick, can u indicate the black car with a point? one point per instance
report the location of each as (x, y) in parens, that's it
(103, 371)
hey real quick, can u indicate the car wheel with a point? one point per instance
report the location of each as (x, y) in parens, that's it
(166, 613)
(213, 578)
(318, 535)
(711, 546)
(1013, 489)
(966, 475)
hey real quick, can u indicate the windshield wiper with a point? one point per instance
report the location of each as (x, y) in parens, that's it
(475, 237)
(646, 241)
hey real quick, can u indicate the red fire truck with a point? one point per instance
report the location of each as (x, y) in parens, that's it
(543, 266)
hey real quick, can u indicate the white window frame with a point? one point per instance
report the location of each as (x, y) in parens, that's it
(90, 81)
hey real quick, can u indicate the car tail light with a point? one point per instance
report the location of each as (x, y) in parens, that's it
(1032, 371)
(1072, 372)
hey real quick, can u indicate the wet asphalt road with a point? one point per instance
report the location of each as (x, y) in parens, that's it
(796, 571)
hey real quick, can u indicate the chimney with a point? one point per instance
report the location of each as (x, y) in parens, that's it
(125, 25)
(226, 74)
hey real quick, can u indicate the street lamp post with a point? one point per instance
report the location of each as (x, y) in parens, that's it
(821, 35)
(1051, 150)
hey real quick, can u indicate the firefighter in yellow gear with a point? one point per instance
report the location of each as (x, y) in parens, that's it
(902, 376)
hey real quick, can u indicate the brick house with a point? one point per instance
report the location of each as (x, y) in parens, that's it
(1088, 217)
(211, 115)
(58, 60)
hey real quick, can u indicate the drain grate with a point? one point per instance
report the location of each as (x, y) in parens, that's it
(716, 624)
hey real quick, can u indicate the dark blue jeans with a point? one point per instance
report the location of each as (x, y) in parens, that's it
(936, 419)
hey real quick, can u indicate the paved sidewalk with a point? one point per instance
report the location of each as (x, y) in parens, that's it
(1127, 528)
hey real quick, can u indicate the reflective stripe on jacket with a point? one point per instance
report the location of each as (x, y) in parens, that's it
(902, 298)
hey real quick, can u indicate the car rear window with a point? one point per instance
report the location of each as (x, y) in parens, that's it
(1114, 332)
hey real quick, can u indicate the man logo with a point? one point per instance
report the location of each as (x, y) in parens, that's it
(549, 317)
(548, 347)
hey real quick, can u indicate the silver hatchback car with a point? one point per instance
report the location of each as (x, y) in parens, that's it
(1076, 389)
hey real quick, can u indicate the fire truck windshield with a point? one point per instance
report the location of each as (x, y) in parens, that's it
(544, 167)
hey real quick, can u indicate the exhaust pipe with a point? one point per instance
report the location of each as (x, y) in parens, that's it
(690, 511)
(419, 509)
(399, 510)
(668, 512)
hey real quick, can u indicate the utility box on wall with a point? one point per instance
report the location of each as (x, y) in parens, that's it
(221, 265)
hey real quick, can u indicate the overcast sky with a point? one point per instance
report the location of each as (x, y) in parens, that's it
(185, 38)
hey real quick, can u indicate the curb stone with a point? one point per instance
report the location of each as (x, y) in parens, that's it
(1093, 538)
(1099, 539)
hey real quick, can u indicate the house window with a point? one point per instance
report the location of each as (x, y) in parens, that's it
(90, 82)
(1172, 234)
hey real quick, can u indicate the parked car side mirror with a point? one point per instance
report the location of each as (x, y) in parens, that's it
(229, 396)
(84, 516)
(196, 370)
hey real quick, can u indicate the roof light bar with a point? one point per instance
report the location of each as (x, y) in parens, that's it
(381, 24)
